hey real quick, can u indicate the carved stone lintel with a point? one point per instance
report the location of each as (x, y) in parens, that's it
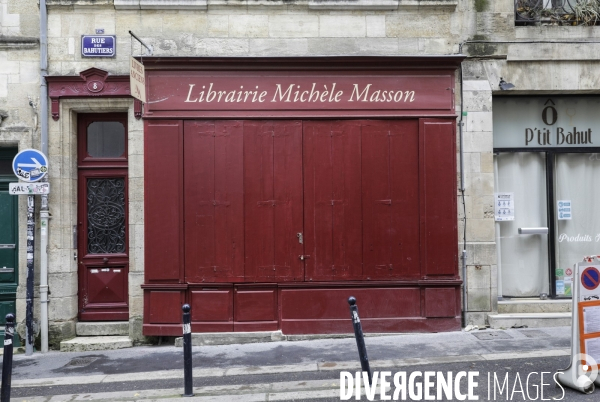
(92, 82)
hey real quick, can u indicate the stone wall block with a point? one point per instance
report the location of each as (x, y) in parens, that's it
(60, 331)
(249, 26)
(186, 22)
(484, 254)
(479, 121)
(475, 318)
(62, 284)
(478, 141)
(377, 46)
(344, 26)
(487, 162)
(136, 212)
(60, 260)
(375, 26)
(63, 308)
(136, 256)
(408, 46)
(136, 189)
(417, 25)
(278, 47)
(106, 21)
(481, 230)
(293, 26)
(136, 165)
(222, 47)
(479, 300)
(136, 306)
(477, 101)
(136, 279)
(218, 26)
(478, 277)
(333, 46)
(436, 46)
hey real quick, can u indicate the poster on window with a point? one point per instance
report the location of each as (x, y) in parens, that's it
(504, 206)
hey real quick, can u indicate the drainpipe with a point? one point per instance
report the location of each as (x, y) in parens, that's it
(44, 211)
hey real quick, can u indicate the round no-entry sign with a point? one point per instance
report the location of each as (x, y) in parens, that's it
(590, 278)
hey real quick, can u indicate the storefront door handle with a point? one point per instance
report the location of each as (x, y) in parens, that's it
(533, 230)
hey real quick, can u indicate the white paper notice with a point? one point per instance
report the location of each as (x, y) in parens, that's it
(504, 206)
(564, 210)
(592, 348)
(591, 320)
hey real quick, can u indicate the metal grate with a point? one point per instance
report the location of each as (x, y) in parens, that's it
(491, 336)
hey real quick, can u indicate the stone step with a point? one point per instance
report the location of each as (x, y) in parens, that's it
(87, 343)
(531, 320)
(102, 328)
(516, 306)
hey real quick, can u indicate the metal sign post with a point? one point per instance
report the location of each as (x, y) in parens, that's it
(30, 166)
(30, 254)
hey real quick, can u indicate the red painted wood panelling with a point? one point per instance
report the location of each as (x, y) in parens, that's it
(211, 308)
(165, 306)
(381, 309)
(273, 200)
(438, 214)
(214, 201)
(440, 302)
(390, 199)
(163, 201)
(332, 200)
(376, 302)
(256, 304)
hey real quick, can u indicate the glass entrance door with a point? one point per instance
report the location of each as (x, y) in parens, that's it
(523, 252)
(577, 213)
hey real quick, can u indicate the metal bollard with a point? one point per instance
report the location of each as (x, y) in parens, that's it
(360, 338)
(7, 360)
(187, 351)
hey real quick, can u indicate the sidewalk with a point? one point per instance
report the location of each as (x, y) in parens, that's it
(129, 369)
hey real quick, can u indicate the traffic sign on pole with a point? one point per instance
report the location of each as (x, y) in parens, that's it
(30, 165)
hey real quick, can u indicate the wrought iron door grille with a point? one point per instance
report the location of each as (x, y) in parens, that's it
(106, 215)
(557, 12)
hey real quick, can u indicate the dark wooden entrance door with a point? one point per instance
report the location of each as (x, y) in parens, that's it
(103, 253)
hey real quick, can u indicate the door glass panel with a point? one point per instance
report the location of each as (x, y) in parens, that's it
(106, 139)
(106, 215)
(523, 258)
(578, 232)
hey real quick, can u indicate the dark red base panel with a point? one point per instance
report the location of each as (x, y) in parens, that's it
(303, 308)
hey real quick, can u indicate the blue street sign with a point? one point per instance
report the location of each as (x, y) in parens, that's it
(98, 45)
(30, 165)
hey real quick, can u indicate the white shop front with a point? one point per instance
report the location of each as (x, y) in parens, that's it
(547, 191)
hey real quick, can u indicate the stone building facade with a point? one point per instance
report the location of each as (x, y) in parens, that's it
(530, 57)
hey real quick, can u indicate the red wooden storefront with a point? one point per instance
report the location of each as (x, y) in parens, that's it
(277, 188)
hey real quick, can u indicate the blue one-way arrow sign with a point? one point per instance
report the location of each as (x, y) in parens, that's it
(30, 165)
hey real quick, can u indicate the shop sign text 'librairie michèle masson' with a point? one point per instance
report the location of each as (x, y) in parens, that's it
(299, 91)
(546, 121)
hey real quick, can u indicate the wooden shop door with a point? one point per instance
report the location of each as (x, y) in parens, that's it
(103, 255)
(243, 201)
